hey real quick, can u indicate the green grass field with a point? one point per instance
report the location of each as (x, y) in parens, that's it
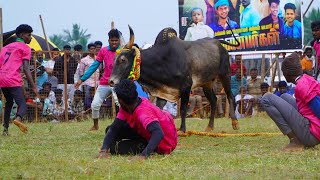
(67, 151)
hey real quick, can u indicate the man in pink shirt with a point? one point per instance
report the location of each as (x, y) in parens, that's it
(315, 27)
(106, 56)
(140, 127)
(12, 57)
(298, 118)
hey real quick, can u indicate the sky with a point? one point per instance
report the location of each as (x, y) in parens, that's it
(146, 17)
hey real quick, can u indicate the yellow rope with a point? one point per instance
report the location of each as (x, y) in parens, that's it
(189, 133)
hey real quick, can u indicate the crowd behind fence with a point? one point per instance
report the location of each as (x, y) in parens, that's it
(60, 101)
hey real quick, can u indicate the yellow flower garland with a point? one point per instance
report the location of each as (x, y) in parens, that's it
(135, 69)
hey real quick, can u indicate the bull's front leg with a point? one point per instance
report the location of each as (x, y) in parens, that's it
(183, 109)
(225, 80)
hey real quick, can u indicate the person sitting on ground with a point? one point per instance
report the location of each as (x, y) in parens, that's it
(44, 104)
(195, 100)
(77, 105)
(282, 88)
(47, 87)
(57, 109)
(237, 81)
(264, 89)
(87, 105)
(171, 107)
(140, 127)
(298, 118)
(244, 103)
(308, 61)
(254, 84)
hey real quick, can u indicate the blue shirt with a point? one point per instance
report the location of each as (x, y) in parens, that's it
(42, 78)
(216, 27)
(235, 84)
(293, 31)
(249, 17)
(140, 91)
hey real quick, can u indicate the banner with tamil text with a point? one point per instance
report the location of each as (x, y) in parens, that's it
(259, 25)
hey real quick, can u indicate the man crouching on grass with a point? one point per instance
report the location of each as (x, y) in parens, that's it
(140, 127)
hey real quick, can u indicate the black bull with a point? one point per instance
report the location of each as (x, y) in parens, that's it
(172, 67)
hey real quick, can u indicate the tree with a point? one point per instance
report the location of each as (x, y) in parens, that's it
(57, 40)
(73, 37)
(314, 15)
(76, 36)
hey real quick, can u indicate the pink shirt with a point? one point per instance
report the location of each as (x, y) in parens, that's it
(306, 89)
(146, 113)
(106, 56)
(11, 59)
(316, 46)
(85, 63)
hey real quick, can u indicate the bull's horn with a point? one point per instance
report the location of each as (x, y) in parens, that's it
(131, 41)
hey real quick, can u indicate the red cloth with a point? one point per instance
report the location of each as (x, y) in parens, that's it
(234, 68)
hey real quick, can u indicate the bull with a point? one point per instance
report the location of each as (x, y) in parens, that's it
(172, 67)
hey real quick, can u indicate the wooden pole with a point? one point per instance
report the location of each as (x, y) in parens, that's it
(65, 91)
(271, 66)
(241, 91)
(263, 67)
(278, 67)
(1, 45)
(45, 36)
(35, 80)
(273, 75)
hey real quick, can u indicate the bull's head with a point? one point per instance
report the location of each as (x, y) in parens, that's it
(124, 61)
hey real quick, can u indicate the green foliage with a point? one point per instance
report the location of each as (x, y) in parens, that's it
(67, 151)
(313, 15)
(76, 36)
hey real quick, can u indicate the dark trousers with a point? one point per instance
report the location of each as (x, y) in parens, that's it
(127, 142)
(16, 94)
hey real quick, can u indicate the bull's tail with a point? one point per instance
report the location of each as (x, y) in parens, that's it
(229, 44)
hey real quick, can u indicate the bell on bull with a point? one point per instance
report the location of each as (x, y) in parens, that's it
(172, 67)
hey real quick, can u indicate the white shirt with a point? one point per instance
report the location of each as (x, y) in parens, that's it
(238, 98)
(198, 31)
(50, 64)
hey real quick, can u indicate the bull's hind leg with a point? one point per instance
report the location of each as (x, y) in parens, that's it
(225, 79)
(209, 93)
(161, 102)
(183, 109)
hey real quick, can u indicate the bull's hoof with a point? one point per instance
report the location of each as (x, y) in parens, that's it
(235, 124)
(182, 134)
(208, 129)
